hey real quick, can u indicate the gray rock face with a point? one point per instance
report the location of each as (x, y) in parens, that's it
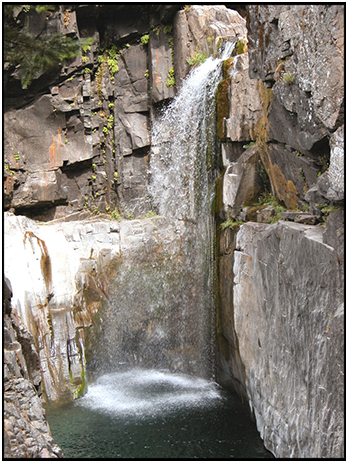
(241, 184)
(161, 60)
(27, 434)
(308, 82)
(245, 102)
(288, 306)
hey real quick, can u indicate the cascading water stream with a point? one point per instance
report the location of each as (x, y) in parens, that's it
(183, 170)
(184, 145)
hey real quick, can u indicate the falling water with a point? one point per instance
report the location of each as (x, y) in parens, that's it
(184, 166)
(184, 147)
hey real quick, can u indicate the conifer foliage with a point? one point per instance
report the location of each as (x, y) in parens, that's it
(34, 55)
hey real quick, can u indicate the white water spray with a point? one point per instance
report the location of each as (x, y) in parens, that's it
(183, 144)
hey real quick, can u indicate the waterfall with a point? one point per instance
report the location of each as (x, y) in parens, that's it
(161, 308)
(184, 144)
(184, 165)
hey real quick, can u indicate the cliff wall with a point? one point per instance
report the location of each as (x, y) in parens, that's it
(281, 264)
(26, 431)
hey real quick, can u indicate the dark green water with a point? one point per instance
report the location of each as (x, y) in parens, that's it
(155, 414)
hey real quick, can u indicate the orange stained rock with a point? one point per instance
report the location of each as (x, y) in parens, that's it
(55, 150)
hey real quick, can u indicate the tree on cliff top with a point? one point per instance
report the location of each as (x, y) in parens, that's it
(34, 55)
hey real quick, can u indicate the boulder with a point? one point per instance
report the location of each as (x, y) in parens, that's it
(334, 233)
(39, 189)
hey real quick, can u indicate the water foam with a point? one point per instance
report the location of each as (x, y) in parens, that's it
(141, 393)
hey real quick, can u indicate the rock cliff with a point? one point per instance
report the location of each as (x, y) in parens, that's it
(281, 317)
(81, 218)
(26, 431)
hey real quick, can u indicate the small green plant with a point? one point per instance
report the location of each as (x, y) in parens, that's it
(146, 73)
(116, 215)
(70, 79)
(94, 178)
(326, 209)
(145, 39)
(197, 58)
(86, 48)
(110, 122)
(151, 214)
(129, 216)
(94, 166)
(105, 130)
(231, 223)
(298, 153)
(288, 78)
(72, 104)
(302, 174)
(168, 29)
(7, 167)
(16, 156)
(267, 199)
(276, 217)
(171, 78)
(156, 30)
(112, 60)
(115, 176)
(187, 8)
(249, 145)
(87, 70)
(84, 59)
(127, 45)
(111, 105)
(241, 46)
